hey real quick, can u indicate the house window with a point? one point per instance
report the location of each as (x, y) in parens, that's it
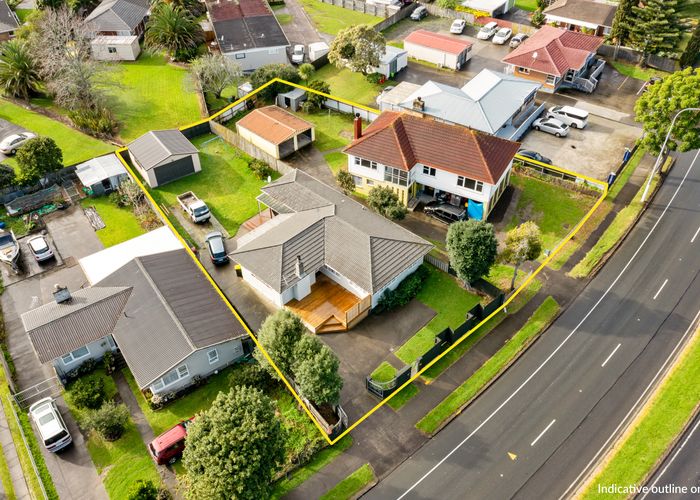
(171, 377)
(74, 356)
(369, 182)
(429, 171)
(551, 79)
(470, 184)
(112, 50)
(396, 176)
(366, 163)
(524, 71)
(240, 55)
(213, 356)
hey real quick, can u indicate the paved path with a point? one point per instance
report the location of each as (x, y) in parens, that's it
(8, 449)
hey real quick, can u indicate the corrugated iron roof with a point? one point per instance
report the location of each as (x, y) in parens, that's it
(438, 41)
(157, 145)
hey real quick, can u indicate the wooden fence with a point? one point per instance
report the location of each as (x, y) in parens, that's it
(379, 10)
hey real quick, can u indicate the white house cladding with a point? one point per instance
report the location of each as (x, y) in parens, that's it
(426, 159)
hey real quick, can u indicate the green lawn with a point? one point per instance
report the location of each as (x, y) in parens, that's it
(530, 5)
(626, 173)
(333, 130)
(636, 72)
(555, 209)
(284, 18)
(23, 14)
(75, 145)
(442, 293)
(689, 8)
(331, 19)
(403, 397)
(384, 373)
(663, 419)
(120, 222)
(151, 95)
(352, 86)
(225, 183)
(539, 320)
(351, 485)
(336, 161)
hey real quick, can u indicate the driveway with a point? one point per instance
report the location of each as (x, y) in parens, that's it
(300, 29)
(9, 128)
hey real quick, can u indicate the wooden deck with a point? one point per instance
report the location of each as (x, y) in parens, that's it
(329, 307)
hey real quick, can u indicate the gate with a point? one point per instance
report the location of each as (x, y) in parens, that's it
(51, 387)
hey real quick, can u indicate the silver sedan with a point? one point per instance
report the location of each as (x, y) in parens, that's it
(551, 126)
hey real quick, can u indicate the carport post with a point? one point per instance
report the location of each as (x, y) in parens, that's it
(663, 148)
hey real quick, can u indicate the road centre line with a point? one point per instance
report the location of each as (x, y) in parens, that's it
(563, 342)
(662, 287)
(542, 433)
(695, 235)
(610, 356)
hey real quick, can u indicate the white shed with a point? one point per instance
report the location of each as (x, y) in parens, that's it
(394, 60)
(115, 48)
(101, 175)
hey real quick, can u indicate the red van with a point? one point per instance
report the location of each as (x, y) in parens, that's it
(168, 447)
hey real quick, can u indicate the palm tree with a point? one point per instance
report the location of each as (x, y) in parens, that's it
(173, 30)
(18, 71)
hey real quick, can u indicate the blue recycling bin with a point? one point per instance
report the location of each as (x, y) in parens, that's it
(627, 155)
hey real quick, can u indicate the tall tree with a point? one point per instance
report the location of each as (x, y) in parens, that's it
(268, 72)
(657, 106)
(359, 48)
(692, 51)
(279, 335)
(234, 448)
(212, 73)
(314, 102)
(472, 248)
(36, 158)
(307, 71)
(654, 27)
(173, 30)
(620, 29)
(316, 371)
(18, 71)
(523, 243)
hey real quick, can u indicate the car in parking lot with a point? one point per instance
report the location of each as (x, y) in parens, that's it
(573, 117)
(551, 126)
(502, 36)
(40, 248)
(517, 40)
(168, 447)
(458, 26)
(52, 429)
(419, 13)
(216, 247)
(534, 155)
(444, 212)
(10, 144)
(298, 54)
(487, 30)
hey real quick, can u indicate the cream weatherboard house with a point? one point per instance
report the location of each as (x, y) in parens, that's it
(422, 159)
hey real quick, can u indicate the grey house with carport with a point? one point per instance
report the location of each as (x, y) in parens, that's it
(162, 156)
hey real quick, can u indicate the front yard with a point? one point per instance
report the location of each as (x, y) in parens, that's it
(330, 19)
(120, 222)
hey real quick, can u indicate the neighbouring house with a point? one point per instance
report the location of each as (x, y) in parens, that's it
(248, 32)
(557, 58)
(393, 61)
(492, 7)
(159, 311)
(123, 18)
(291, 100)
(589, 16)
(445, 51)
(101, 175)
(9, 22)
(163, 156)
(324, 256)
(422, 160)
(276, 131)
(115, 48)
(492, 102)
(391, 100)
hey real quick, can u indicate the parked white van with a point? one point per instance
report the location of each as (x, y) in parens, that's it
(573, 117)
(53, 430)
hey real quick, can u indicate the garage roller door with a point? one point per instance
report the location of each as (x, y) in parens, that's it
(175, 170)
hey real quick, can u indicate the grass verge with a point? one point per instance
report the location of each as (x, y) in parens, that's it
(626, 173)
(539, 320)
(29, 475)
(351, 485)
(661, 421)
(403, 397)
(120, 222)
(5, 477)
(636, 72)
(384, 373)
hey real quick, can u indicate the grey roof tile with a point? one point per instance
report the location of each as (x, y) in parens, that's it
(157, 145)
(118, 15)
(8, 20)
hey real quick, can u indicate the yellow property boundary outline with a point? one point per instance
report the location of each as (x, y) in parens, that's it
(532, 276)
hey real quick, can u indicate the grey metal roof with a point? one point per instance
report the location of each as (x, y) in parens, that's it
(155, 146)
(118, 15)
(173, 311)
(92, 313)
(98, 169)
(8, 20)
(329, 229)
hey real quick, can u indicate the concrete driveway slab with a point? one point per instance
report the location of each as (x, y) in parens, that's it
(9, 128)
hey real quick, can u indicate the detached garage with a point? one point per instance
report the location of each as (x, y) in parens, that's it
(163, 156)
(446, 51)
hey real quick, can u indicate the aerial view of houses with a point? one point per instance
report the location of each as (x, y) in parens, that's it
(370, 249)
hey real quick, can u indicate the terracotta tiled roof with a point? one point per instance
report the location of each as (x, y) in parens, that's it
(274, 124)
(554, 51)
(438, 41)
(401, 140)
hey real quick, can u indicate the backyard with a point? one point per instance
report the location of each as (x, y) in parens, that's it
(120, 222)
(225, 183)
(330, 19)
(333, 132)
(351, 86)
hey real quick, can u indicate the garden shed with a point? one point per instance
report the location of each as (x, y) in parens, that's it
(163, 156)
(394, 60)
(101, 175)
(115, 48)
(292, 99)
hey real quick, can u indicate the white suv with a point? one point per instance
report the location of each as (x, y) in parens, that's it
(574, 117)
(487, 31)
(53, 430)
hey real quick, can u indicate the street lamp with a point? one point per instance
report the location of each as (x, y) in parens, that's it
(663, 148)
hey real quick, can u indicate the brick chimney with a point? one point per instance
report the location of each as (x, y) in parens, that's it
(418, 104)
(357, 126)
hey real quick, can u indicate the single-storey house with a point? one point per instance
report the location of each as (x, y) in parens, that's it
(160, 311)
(422, 159)
(163, 156)
(589, 16)
(9, 23)
(101, 175)
(291, 100)
(119, 18)
(557, 58)
(446, 51)
(248, 32)
(276, 131)
(115, 48)
(393, 61)
(492, 102)
(323, 255)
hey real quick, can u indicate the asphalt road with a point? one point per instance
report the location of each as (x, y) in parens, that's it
(549, 416)
(679, 475)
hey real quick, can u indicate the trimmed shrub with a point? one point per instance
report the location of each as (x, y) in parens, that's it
(143, 490)
(260, 169)
(109, 362)
(88, 392)
(252, 375)
(384, 200)
(405, 292)
(109, 421)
